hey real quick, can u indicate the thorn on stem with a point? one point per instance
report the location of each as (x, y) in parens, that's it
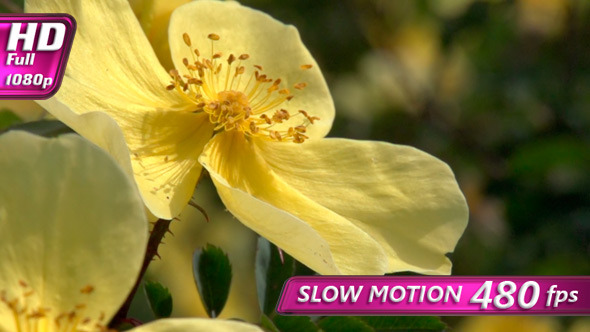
(201, 209)
(281, 255)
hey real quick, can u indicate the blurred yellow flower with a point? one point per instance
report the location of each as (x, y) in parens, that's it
(338, 206)
(544, 17)
(72, 238)
(580, 325)
(508, 324)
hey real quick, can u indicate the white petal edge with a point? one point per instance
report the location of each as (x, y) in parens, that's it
(196, 325)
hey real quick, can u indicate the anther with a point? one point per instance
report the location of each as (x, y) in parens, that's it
(305, 67)
(266, 118)
(213, 36)
(187, 39)
(300, 86)
(275, 135)
(253, 128)
(87, 289)
(301, 129)
(244, 57)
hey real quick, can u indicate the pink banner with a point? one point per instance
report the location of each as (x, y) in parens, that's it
(35, 50)
(421, 295)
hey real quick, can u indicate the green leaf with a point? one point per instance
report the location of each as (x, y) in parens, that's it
(261, 270)
(45, 128)
(344, 324)
(271, 274)
(7, 119)
(295, 324)
(212, 272)
(411, 323)
(160, 299)
(267, 324)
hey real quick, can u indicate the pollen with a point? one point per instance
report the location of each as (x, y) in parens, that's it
(240, 96)
(31, 315)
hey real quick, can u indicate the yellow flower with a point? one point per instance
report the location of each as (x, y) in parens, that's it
(244, 93)
(72, 238)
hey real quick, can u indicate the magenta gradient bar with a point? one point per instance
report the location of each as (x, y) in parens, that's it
(34, 73)
(435, 295)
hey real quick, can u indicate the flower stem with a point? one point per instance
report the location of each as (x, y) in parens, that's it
(160, 228)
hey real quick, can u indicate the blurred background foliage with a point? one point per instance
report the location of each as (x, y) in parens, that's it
(500, 90)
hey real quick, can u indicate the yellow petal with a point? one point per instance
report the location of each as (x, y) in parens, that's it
(404, 198)
(313, 234)
(72, 227)
(117, 73)
(154, 17)
(271, 44)
(196, 324)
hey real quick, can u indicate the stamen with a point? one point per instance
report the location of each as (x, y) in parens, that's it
(187, 39)
(300, 86)
(30, 315)
(219, 93)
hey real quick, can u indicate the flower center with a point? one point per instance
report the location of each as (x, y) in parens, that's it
(30, 315)
(253, 104)
(230, 108)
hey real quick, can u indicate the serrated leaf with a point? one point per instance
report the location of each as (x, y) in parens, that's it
(344, 324)
(405, 323)
(213, 273)
(272, 272)
(262, 264)
(295, 324)
(159, 299)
